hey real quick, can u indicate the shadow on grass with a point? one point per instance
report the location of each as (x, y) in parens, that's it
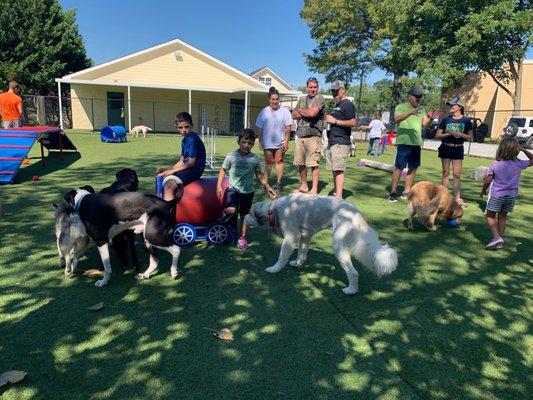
(150, 340)
(450, 323)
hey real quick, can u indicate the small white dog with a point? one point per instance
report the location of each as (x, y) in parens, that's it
(299, 216)
(140, 129)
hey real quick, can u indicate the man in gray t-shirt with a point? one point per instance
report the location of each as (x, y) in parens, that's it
(309, 112)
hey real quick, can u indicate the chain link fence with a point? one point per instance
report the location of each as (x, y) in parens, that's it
(226, 117)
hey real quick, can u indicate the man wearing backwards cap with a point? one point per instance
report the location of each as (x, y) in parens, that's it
(410, 118)
(341, 119)
(454, 130)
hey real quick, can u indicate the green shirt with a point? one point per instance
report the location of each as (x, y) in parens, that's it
(241, 170)
(410, 129)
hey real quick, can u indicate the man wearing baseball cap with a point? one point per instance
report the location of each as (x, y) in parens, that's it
(453, 131)
(410, 118)
(341, 119)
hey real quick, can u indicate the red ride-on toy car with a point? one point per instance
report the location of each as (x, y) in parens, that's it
(197, 213)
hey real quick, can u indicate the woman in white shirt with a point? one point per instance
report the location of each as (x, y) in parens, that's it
(377, 128)
(273, 130)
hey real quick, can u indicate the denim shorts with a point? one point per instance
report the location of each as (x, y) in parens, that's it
(448, 152)
(407, 155)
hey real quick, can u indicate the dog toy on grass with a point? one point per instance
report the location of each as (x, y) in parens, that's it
(452, 223)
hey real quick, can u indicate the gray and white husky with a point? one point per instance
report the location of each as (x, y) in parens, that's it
(71, 238)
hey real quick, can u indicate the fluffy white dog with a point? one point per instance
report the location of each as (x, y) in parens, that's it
(139, 129)
(299, 216)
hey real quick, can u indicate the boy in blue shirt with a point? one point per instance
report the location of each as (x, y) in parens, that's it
(191, 164)
(241, 165)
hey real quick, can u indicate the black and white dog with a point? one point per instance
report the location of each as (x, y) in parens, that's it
(106, 215)
(124, 243)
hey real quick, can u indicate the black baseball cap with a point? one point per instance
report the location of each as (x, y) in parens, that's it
(416, 91)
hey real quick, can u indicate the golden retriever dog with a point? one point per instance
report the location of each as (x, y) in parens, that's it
(427, 201)
(139, 129)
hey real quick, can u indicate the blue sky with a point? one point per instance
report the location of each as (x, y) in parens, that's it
(247, 34)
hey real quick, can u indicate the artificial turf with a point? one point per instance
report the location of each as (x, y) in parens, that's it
(452, 322)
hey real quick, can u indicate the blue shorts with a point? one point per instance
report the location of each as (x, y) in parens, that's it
(499, 204)
(241, 201)
(183, 177)
(407, 155)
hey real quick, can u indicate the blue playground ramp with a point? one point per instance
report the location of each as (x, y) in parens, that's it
(16, 143)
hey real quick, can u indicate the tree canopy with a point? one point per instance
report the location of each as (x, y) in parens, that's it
(39, 41)
(439, 40)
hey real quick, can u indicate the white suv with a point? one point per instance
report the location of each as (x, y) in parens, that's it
(521, 128)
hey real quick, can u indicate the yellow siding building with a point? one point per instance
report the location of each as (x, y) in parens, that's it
(485, 100)
(151, 86)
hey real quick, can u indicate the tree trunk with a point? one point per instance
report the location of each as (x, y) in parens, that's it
(517, 104)
(395, 99)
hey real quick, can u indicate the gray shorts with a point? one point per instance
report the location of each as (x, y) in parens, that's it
(11, 124)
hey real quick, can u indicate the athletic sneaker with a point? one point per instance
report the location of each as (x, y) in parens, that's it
(404, 195)
(393, 198)
(494, 243)
(242, 243)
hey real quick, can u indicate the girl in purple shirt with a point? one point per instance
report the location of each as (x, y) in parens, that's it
(503, 177)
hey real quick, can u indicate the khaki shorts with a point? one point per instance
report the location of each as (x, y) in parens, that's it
(337, 156)
(307, 151)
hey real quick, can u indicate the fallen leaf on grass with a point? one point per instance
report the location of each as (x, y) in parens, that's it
(11, 377)
(223, 334)
(243, 272)
(93, 273)
(96, 307)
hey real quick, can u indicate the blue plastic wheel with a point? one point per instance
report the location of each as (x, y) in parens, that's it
(217, 234)
(184, 235)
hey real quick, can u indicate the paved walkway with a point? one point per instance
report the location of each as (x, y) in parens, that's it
(472, 148)
(487, 150)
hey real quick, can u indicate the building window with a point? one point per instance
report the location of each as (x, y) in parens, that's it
(265, 80)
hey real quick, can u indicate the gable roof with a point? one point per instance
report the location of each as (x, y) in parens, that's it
(258, 72)
(104, 70)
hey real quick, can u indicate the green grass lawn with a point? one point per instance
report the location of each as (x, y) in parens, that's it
(453, 322)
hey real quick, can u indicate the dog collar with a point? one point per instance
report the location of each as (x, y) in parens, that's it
(78, 198)
(272, 216)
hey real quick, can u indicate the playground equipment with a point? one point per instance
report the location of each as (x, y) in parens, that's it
(197, 213)
(378, 165)
(208, 136)
(16, 143)
(113, 134)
